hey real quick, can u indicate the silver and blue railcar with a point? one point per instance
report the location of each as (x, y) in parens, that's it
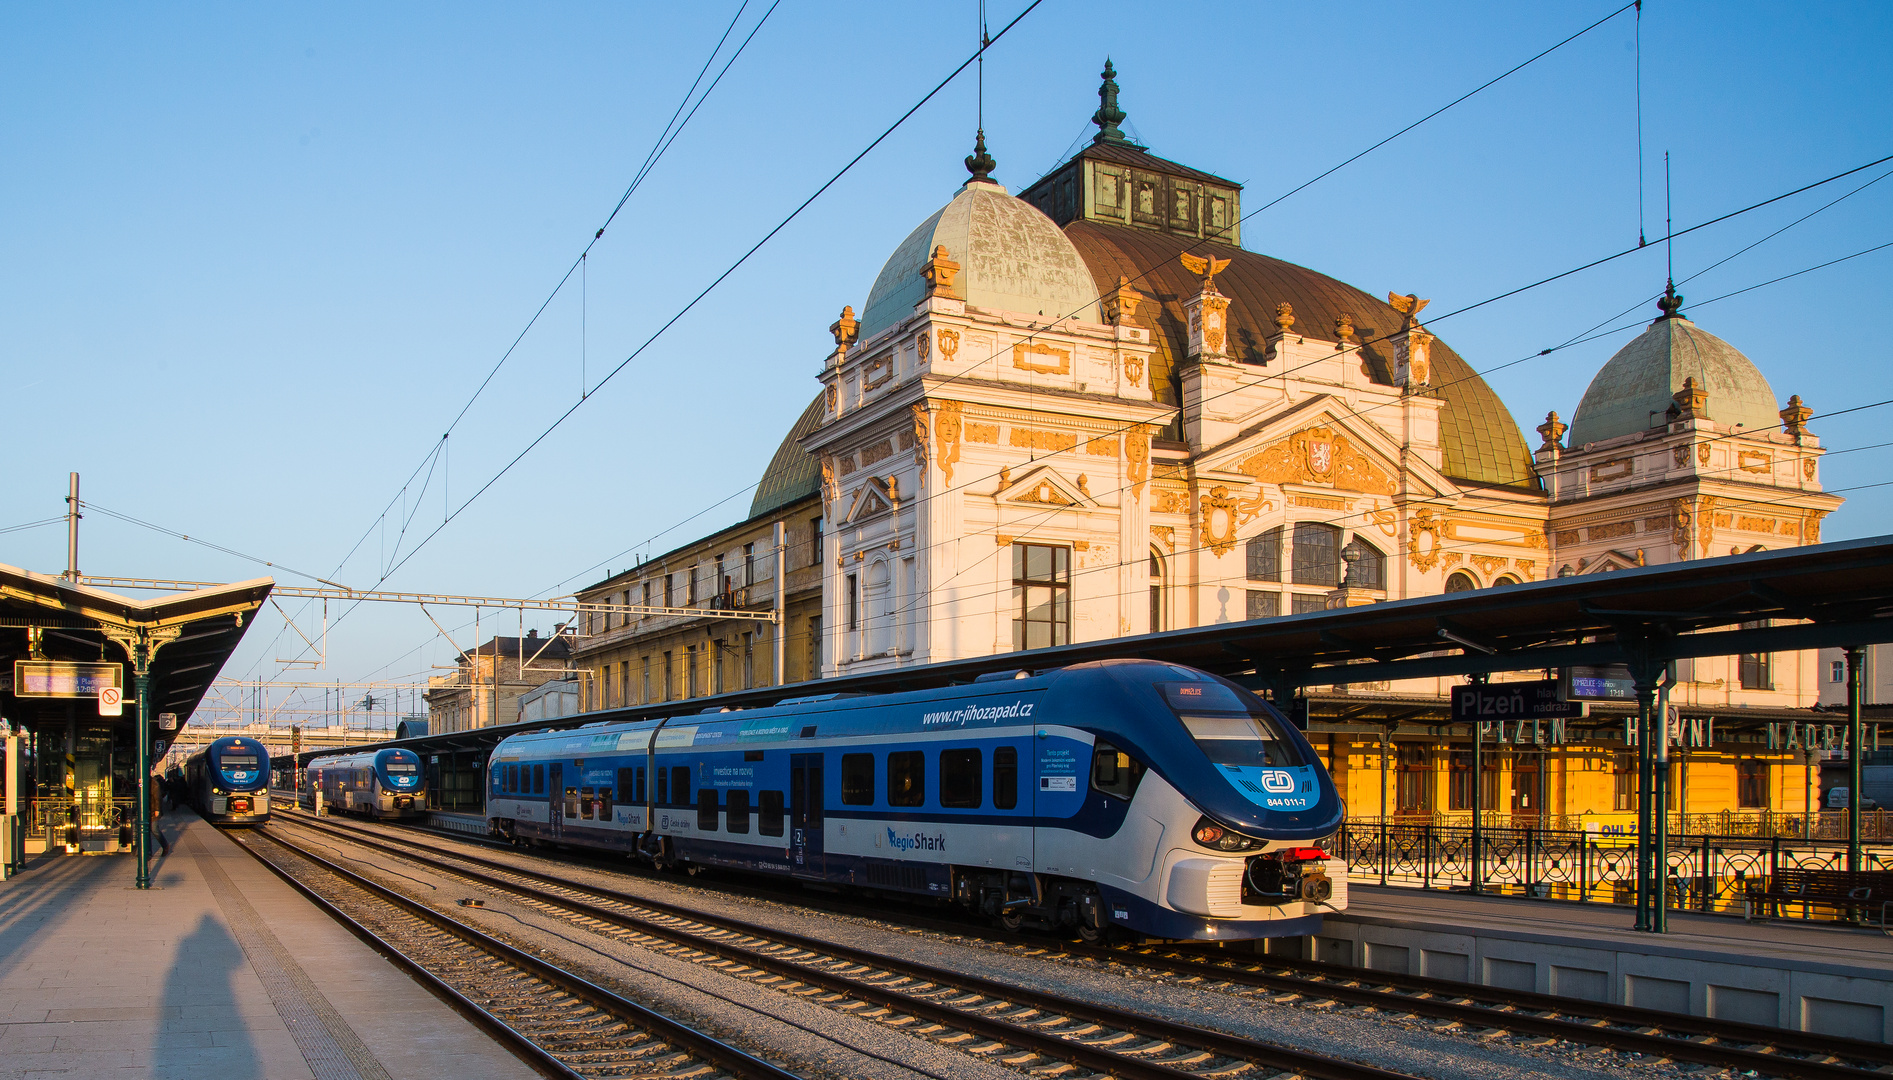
(1144, 798)
(373, 784)
(228, 781)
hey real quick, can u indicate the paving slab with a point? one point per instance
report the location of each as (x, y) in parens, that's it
(222, 969)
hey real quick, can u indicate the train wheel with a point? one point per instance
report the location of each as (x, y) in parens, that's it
(1093, 935)
(1012, 921)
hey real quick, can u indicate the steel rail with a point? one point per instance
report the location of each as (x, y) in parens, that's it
(1046, 1042)
(523, 1048)
(738, 1062)
(1439, 998)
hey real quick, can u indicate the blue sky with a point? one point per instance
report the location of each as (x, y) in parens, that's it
(254, 259)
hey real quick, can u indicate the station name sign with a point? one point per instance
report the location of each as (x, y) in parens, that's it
(1514, 701)
(65, 678)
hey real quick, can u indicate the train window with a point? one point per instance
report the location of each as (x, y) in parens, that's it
(706, 809)
(907, 778)
(769, 813)
(571, 803)
(752, 755)
(1229, 730)
(637, 794)
(680, 784)
(1113, 771)
(1006, 777)
(960, 778)
(738, 807)
(585, 803)
(663, 787)
(857, 779)
(604, 804)
(627, 785)
(512, 778)
(538, 779)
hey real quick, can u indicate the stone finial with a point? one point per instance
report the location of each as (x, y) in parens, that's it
(845, 329)
(1794, 418)
(1553, 430)
(1691, 402)
(1671, 305)
(1344, 328)
(979, 162)
(1109, 116)
(1120, 305)
(940, 272)
(1284, 316)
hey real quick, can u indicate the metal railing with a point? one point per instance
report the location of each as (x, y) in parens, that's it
(1707, 872)
(76, 821)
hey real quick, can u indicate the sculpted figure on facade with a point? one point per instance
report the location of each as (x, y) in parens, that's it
(946, 429)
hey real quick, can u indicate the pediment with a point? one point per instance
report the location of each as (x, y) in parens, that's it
(1045, 486)
(1320, 444)
(871, 498)
(1613, 559)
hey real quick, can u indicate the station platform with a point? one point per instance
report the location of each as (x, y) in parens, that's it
(1820, 977)
(221, 970)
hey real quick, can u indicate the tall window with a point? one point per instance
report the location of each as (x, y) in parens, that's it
(624, 684)
(722, 584)
(690, 671)
(1156, 592)
(716, 665)
(814, 648)
(1837, 671)
(854, 603)
(1369, 568)
(1624, 782)
(1755, 669)
(670, 686)
(1414, 793)
(1460, 582)
(1751, 784)
(647, 594)
(1263, 605)
(1525, 783)
(1317, 554)
(749, 659)
(670, 590)
(1041, 596)
(1265, 556)
(690, 587)
(749, 564)
(815, 541)
(605, 685)
(647, 676)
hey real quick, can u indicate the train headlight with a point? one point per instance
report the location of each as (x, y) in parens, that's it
(1211, 835)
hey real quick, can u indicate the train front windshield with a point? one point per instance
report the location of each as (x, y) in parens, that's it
(1227, 729)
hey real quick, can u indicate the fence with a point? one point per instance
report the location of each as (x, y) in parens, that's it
(83, 822)
(1707, 872)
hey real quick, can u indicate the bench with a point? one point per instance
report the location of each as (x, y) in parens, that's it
(1869, 892)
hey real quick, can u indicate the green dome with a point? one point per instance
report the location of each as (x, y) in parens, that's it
(1635, 388)
(1011, 256)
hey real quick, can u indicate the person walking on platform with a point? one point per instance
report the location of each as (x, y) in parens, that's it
(157, 831)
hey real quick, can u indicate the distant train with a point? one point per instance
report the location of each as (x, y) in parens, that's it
(1144, 798)
(375, 784)
(227, 781)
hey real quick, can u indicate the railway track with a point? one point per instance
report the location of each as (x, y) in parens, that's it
(559, 1023)
(1026, 1030)
(1768, 1051)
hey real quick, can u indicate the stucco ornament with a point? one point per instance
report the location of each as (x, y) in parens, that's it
(1318, 455)
(1423, 540)
(946, 429)
(1216, 520)
(920, 435)
(1137, 451)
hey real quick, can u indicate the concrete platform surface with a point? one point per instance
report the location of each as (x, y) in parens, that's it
(222, 970)
(1808, 976)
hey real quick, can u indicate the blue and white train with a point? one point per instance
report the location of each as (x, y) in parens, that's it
(374, 784)
(228, 781)
(1132, 796)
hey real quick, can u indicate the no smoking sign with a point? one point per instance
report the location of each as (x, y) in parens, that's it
(111, 701)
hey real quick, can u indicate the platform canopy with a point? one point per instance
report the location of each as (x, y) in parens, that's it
(195, 633)
(1820, 596)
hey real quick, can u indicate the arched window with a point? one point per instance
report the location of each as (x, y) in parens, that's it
(1317, 554)
(1368, 567)
(1461, 582)
(1506, 579)
(1156, 591)
(1265, 556)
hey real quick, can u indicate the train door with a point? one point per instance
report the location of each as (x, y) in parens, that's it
(805, 815)
(555, 798)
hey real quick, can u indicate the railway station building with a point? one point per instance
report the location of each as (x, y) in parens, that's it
(1085, 410)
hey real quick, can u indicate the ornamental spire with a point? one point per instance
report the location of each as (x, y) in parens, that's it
(979, 162)
(1109, 116)
(1671, 304)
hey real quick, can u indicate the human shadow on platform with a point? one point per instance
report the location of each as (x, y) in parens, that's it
(202, 1026)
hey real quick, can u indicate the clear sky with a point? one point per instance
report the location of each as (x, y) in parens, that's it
(254, 259)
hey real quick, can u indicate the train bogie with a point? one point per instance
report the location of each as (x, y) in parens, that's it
(1129, 796)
